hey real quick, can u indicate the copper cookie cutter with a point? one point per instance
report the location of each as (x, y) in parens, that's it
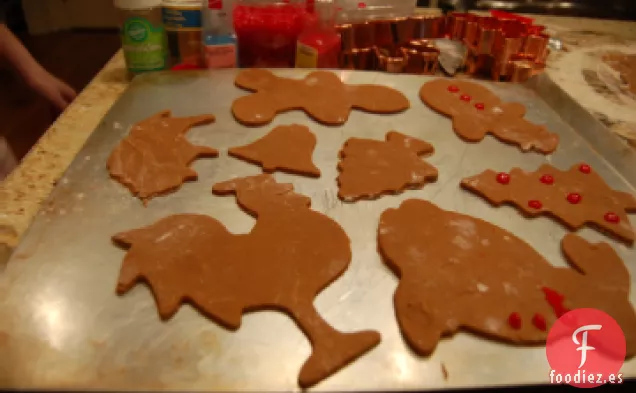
(392, 45)
(506, 49)
(358, 49)
(417, 57)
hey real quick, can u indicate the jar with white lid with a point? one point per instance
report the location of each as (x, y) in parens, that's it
(143, 35)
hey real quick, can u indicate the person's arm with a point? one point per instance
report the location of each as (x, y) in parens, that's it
(39, 79)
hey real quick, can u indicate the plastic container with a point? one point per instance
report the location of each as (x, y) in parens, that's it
(219, 40)
(182, 21)
(319, 44)
(352, 11)
(143, 35)
(267, 31)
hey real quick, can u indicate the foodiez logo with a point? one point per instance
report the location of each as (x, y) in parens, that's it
(586, 348)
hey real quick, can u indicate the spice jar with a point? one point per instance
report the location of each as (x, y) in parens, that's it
(143, 36)
(182, 21)
(267, 31)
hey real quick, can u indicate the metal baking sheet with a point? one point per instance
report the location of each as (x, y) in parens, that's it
(62, 326)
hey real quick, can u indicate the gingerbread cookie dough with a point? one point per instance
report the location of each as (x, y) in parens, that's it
(154, 158)
(461, 273)
(574, 197)
(193, 258)
(321, 94)
(476, 111)
(370, 168)
(285, 148)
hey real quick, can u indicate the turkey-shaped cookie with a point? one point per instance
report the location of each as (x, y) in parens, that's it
(321, 94)
(290, 255)
(476, 111)
(458, 272)
(370, 168)
(575, 197)
(285, 148)
(154, 158)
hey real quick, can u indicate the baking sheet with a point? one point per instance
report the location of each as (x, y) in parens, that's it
(63, 326)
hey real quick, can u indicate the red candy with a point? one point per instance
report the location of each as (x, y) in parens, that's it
(268, 34)
(535, 204)
(612, 217)
(585, 168)
(555, 299)
(503, 178)
(539, 322)
(514, 320)
(547, 179)
(465, 97)
(574, 198)
(480, 106)
(453, 89)
(362, 5)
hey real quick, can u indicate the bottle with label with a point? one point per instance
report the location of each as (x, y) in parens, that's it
(319, 44)
(182, 21)
(219, 40)
(143, 35)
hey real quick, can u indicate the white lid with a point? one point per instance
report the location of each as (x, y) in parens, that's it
(137, 4)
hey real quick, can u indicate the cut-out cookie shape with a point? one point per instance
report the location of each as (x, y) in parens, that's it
(154, 158)
(321, 94)
(476, 111)
(285, 148)
(290, 255)
(574, 197)
(370, 168)
(461, 273)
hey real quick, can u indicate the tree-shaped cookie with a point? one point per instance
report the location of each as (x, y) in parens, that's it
(458, 272)
(476, 111)
(574, 197)
(285, 148)
(371, 168)
(290, 255)
(321, 94)
(154, 158)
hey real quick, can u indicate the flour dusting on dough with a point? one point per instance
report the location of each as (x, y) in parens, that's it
(462, 243)
(464, 227)
(481, 287)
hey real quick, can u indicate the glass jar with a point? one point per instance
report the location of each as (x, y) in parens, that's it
(182, 21)
(267, 31)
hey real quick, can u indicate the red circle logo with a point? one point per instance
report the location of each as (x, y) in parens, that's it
(585, 349)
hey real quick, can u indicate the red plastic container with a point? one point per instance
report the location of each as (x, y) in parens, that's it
(267, 31)
(319, 45)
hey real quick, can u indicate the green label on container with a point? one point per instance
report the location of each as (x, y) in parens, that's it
(144, 45)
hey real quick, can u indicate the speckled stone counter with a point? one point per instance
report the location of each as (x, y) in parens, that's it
(24, 190)
(22, 193)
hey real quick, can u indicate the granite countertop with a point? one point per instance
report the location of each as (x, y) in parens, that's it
(23, 192)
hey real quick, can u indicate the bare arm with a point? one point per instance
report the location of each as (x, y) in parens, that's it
(40, 80)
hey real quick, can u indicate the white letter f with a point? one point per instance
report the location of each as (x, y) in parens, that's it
(584, 347)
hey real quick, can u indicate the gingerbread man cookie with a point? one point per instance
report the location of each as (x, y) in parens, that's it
(476, 111)
(460, 273)
(321, 94)
(285, 148)
(370, 168)
(194, 258)
(574, 197)
(154, 158)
